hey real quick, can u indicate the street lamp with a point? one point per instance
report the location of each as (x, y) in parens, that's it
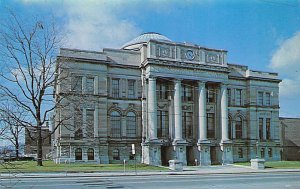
(257, 148)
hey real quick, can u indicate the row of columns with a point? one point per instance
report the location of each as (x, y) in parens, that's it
(152, 111)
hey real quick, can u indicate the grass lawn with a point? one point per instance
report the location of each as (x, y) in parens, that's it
(277, 164)
(50, 166)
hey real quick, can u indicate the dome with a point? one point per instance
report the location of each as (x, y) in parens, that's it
(144, 38)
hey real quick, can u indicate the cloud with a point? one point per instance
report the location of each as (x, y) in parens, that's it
(92, 25)
(286, 61)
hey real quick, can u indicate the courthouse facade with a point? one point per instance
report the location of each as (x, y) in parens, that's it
(172, 100)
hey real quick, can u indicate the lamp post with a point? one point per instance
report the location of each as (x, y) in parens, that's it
(257, 148)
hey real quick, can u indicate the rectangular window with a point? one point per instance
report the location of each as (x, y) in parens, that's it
(260, 126)
(162, 92)
(268, 99)
(90, 123)
(260, 98)
(211, 95)
(131, 88)
(229, 96)
(187, 125)
(240, 153)
(162, 124)
(77, 84)
(268, 128)
(90, 85)
(211, 125)
(115, 87)
(238, 100)
(78, 118)
(187, 92)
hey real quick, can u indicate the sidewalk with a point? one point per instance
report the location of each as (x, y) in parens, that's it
(191, 170)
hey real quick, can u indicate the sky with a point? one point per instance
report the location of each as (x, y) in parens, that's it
(261, 34)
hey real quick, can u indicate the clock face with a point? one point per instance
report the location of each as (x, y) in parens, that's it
(190, 54)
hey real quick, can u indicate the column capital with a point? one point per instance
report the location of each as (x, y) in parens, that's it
(223, 85)
(152, 77)
(177, 80)
(201, 83)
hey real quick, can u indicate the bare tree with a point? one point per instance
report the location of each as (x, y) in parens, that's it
(13, 130)
(28, 52)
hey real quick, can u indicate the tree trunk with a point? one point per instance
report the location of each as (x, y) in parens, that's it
(39, 146)
(17, 150)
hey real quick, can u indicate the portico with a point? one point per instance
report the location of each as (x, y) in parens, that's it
(198, 106)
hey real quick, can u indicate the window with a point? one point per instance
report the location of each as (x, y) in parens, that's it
(229, 96)
(90, 154)
(78, 117)
(210, 125)
(238, 100)
(131, 88)
(262, 153)
(270, 152)
(162, 92)
(131, 124)
(268, 99)
(90, 85)
(268, 128)
(260, 125)
(187, 92)
(116, 154)
(115, 88)
(162, 124)
(240, 153)
(90, 123)
(78, 134)
(187, 125)
(77, 84)
(238, 128)
(260, 99)
(115, 124)
(78, 154)
(229, 128)
(211, 95)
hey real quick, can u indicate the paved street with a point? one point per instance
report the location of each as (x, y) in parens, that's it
(210, 181)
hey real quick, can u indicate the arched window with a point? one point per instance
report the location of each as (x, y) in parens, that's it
(238, 128)
(90, 154)
(131, 124)
(78, 154)
(116, 154)
(229, 128)
(115, 124)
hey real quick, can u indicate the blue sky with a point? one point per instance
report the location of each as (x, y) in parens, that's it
(262, 34)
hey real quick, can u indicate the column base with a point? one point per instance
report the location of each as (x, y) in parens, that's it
(227, 153)
(204, 152)
(151, 153)
(180, 153)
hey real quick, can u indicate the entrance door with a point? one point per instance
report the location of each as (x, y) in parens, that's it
(164, 156)
(190, 158)
(213, 155)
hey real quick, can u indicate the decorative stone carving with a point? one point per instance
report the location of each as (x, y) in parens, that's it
(213, 58)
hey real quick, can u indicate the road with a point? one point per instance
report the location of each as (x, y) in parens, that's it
(211, 181)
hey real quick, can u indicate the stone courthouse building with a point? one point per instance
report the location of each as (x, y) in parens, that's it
(172, 100)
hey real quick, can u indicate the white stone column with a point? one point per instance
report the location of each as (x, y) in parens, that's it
(84, 84)
(84, 123)
(178, 110)
(202, 112)
(96, 122)
(224, 113)
(152, 109)
(96, 85)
